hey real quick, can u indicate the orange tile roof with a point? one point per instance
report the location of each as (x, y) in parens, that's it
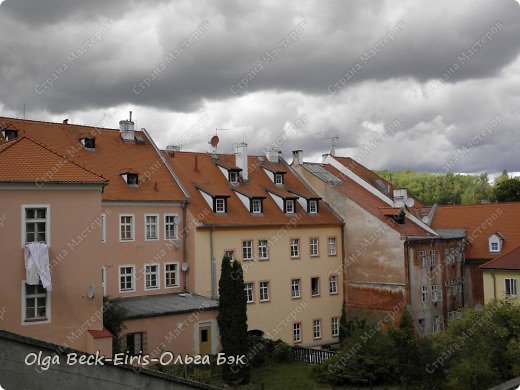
(206, 173)
(481, 221)
(372, 203)
(26, 161)
(111, 157)
(509, 261)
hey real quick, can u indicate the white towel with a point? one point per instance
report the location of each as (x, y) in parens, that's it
(37, 264)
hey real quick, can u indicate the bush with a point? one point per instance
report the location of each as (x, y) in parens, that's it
(114, 315)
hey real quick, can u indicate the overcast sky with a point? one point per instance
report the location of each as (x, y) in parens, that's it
(432, 86)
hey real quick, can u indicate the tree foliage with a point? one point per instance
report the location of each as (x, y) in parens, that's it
(507, 190)
(114, 315)
(232, 321)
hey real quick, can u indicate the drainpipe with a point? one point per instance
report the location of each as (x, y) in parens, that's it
(184, 244)
(213, 266)
(343, 262)
(494, 285)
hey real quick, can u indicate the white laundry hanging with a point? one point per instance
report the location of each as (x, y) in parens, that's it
(37, 264)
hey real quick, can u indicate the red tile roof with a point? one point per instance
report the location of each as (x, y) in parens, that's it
(509, 261)
(372, 203)
(482, 221)
(26, 161)
(111, 156)
(99, 334)
(207, 174)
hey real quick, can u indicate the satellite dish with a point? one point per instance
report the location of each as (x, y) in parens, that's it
(184, 267)
(214, 141)
(90, 291)
(399, 203)
(410, 202)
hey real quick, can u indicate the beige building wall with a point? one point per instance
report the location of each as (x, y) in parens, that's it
(494, 284)
(75, 262)
(275, 317)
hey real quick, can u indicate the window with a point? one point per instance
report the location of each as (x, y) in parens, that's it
(315, 286)
(132, 179)
(432, 258)
(421, 324)
(422, 258)
(424, 294)
(256, 206)
(36, 303)
(314, 242)
(316, 329)
(278, 178)
(262, 250)
(151, 227)
(36, 224)
(103, 228)
(10, 134)
(289, 206)
(233, 177)
(136, 343)
(494, 247)
(230, 253)
(264, 291)
(171, 275)
(248, 288)
(126, 227)
(510, 287)
(151, 276)
(295, 288)
(126, 278)
(447, 256)
(220, 205)
(333, 284)
(89, 143)
(495, 243)
(438, 322)
(334, 322)
(435, 293)
(247, 250)
(295, 248)
(313, 206)
(171, 226)
(332, 246)
(297, 332)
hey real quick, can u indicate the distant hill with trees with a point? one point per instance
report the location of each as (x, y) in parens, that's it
(453, 188)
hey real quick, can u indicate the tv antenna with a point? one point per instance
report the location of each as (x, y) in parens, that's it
(215, 139)
(334, 140)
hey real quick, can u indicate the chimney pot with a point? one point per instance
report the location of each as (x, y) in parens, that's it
(65, 121)
(297, 157)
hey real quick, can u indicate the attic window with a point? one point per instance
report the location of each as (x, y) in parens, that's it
(313, 206)
(256, 206)
(495, 244)
(10, 134)
(220, 205)
(89, 143)
(131, 178)
(233, 177)
(278, 178)
(289, 206)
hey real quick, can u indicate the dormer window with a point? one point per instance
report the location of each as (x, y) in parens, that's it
(289, 206)
(233, 177)
(313, 206)
(89, 143)
(220, 205)
(256, 206)
(278, 178)
(10, 134)
(131, 178)
(495, 243)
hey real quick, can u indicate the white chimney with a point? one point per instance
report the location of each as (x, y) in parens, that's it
(241, 159)
(297, 157)
(127, 129)
(272, 154)
(400, 196)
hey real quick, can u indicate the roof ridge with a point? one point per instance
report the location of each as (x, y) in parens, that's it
(58, 123)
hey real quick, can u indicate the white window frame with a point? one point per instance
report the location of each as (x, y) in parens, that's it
(296, 287)
(264, 285)
(316, 329)
(295, 248)
(132, 276)
(319, 287)
(132, 228)
(513, 291)
(263, 246)
(435, 293)
(438, 324)
(177, 274)
(332, 244)
(235, 175)
(217, 208)
(314, 246)
(333, 282)
(494, 239)
(175, 227)
(47, 221)
(334, 326)
(432, 257)
(103, 228)
(290, 210)
(256, 202)
(422, 259)
(313, 206)
(157, 223)
(47, 319)
(297, 332)
(247, 248)
(249, 287)
(276, 177)
(157, 276)
(425, 291)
